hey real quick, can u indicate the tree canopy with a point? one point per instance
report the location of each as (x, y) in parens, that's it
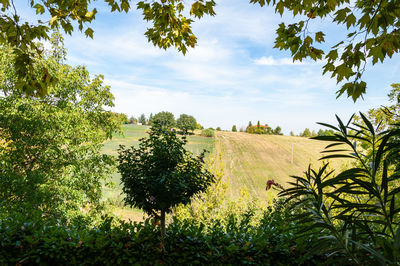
(372, 29)
(164, 119)
(50, 148)
(186, 122)
(171, 26)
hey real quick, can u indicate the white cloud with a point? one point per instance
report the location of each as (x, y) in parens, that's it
(270, 61)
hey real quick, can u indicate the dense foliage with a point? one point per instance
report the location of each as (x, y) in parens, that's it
(270, 242)
(160, 173)
(209, 132)
(171, 26)
(164, 119)
(263, 129)
(186, 122)
(50, 158)
(371, 32)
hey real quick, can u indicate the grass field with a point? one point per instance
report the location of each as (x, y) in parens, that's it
(249, 160)
(132, 134)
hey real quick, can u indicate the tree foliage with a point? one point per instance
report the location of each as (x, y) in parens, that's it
(142, 119)
(186, 122)
(164, 119)
(160, 173)
(387, 116)
(372, 32)
(372, 35)
(171, 22)
(234, 129)
(50, 157)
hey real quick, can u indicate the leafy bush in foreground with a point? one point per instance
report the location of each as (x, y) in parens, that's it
(236, 243)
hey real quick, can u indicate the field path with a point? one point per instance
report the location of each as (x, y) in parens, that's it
(250, 160)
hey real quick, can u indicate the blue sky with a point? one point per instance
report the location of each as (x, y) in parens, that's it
(233, 76)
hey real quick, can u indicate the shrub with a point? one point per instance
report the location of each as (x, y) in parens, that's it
(209, 132)
(355, 210)
(112, 242)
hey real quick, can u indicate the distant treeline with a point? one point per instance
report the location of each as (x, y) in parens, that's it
(307, 133)
(185, 122)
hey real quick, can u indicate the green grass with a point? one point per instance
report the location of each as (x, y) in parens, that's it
(131, 136)
(249, 160)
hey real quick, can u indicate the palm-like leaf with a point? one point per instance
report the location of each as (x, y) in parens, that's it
(356, 207)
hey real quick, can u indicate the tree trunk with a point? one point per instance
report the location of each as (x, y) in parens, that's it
(162, 227)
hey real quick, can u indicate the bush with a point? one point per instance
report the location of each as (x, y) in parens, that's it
(209, 132)
(354, 209)
(52, 243)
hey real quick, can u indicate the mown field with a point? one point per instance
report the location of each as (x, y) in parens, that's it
(249, 160)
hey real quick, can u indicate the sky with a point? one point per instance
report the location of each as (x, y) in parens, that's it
(233, 76)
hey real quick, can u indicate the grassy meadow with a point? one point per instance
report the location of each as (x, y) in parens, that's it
(131, 136)
(249, 160)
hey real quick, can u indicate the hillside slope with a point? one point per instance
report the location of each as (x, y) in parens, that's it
(250, 160)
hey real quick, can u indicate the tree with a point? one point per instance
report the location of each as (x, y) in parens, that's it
(51, 159)
(234, 128)
(161, 174)
(218, 129)
(278, 130)
(291, 133)
(123, 118)
(165, 119)
(150, 120)
(186, 122)
(372, 34)
(142, 119)
(132, 120)
(387, 116)
(306, 133)
(171, 26)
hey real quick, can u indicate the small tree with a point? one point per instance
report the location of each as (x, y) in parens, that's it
(234, 128)
(218, 129)
(278, 131)
(142, 119)
(150, 121)
(186, 122)
(132, 120)
(306, 133)
(161, 174)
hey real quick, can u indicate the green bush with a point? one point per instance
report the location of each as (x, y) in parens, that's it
(238, 242)
(209, 132)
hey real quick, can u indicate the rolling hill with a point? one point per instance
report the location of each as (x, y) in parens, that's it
(249, 160)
